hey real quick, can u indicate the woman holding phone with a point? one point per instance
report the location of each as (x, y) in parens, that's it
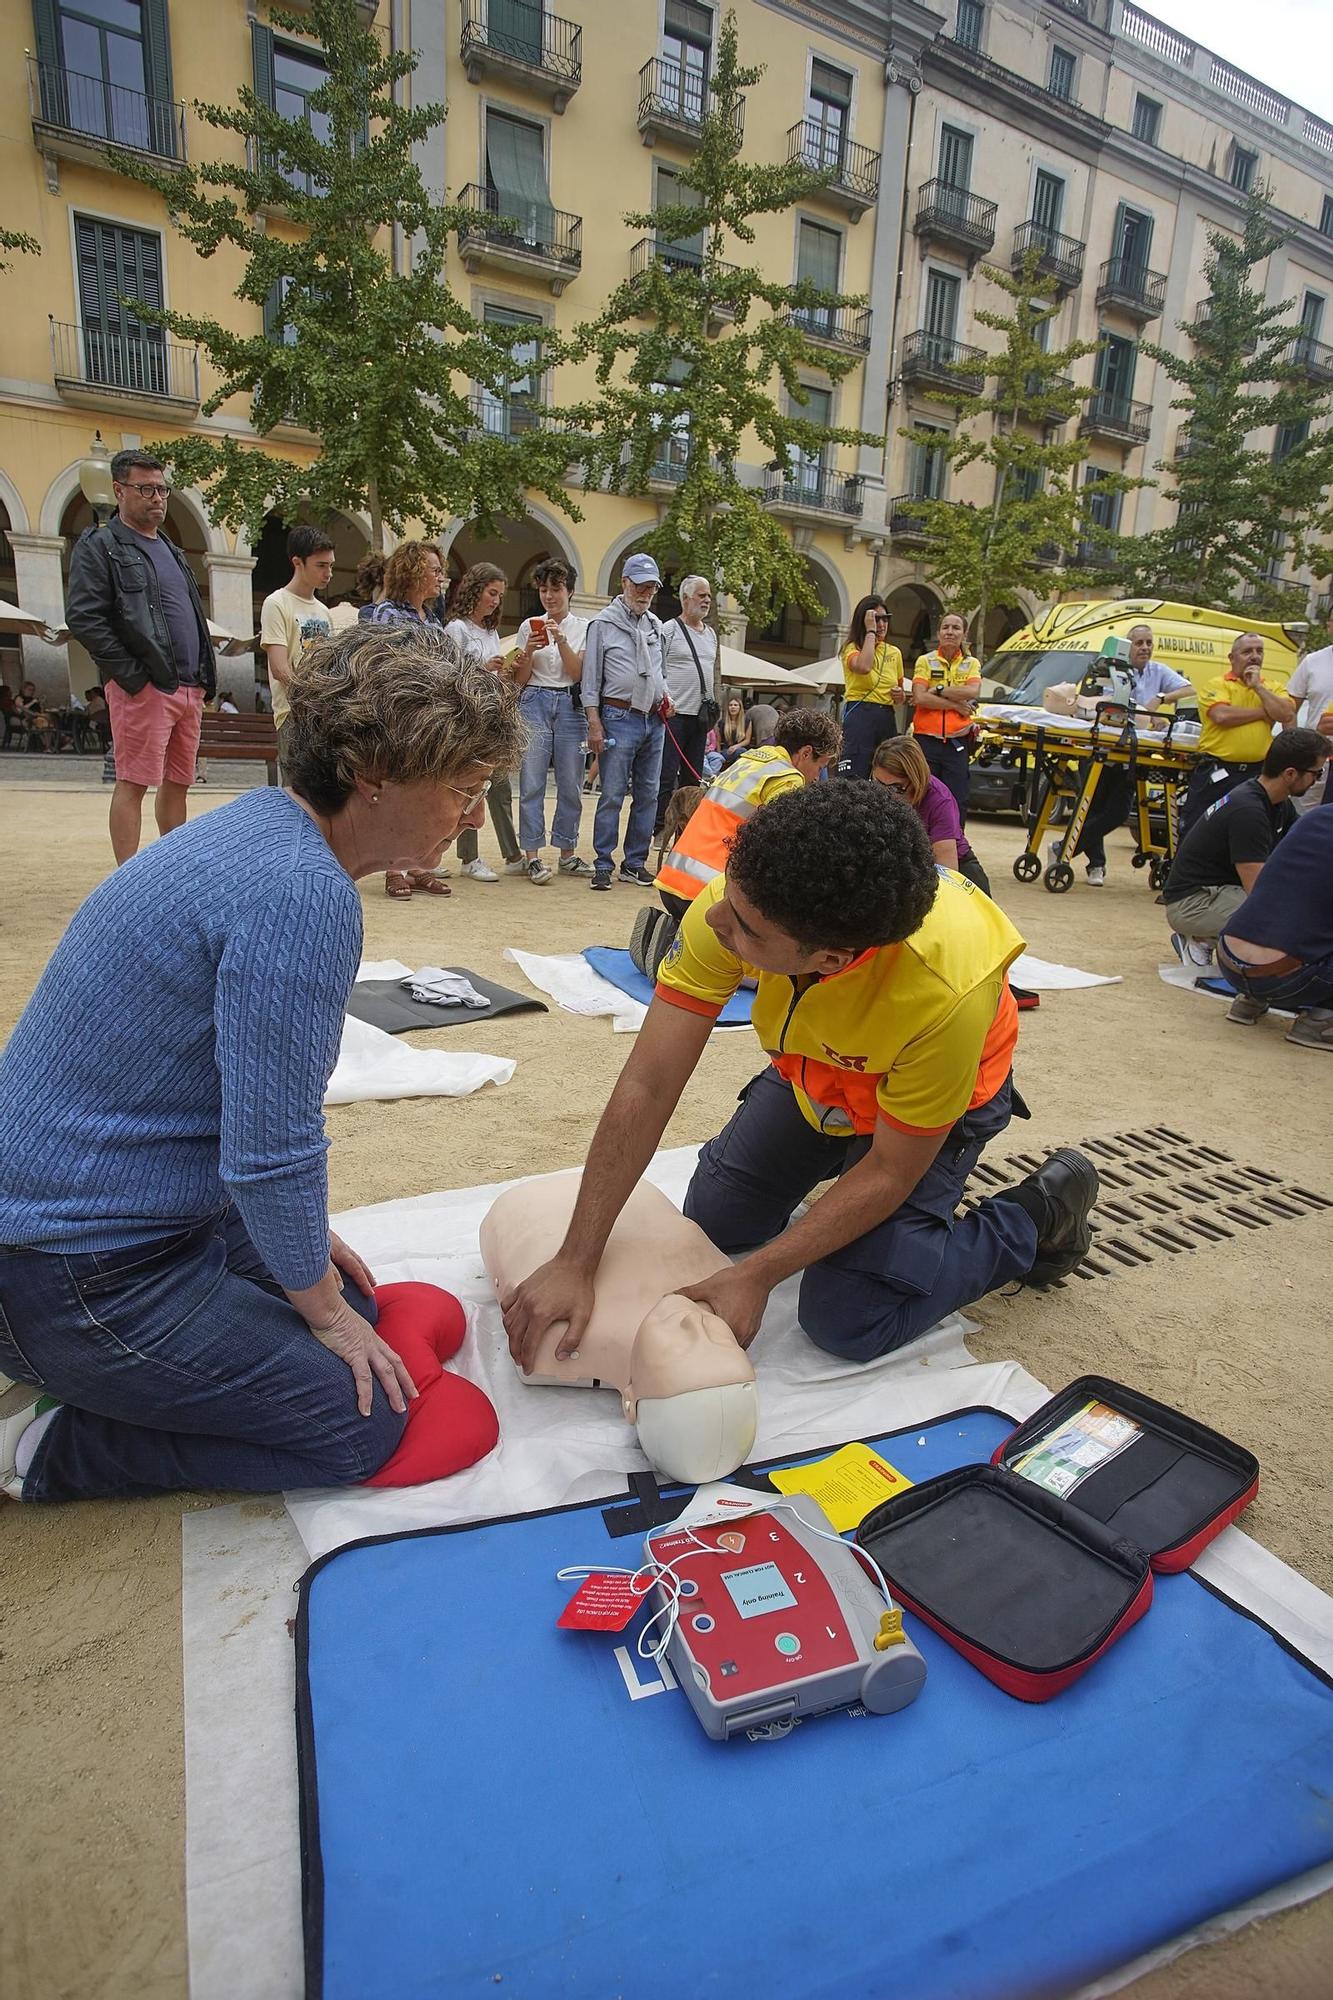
(872, 672)
(547, 669)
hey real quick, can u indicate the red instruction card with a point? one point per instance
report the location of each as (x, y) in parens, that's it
(602, 1603)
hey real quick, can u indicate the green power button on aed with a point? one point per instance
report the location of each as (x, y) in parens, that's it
(788, 1643)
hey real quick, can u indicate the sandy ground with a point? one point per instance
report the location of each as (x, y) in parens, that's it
(92, 1905)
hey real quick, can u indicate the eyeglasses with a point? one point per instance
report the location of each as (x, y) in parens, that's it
(891, 785)
(156, 492)
(471, 800)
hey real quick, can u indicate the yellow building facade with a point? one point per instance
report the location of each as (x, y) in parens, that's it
(952, 133)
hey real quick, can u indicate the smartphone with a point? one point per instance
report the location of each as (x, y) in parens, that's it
(538, 629)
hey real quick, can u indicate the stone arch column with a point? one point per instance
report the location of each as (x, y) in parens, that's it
(231, 605)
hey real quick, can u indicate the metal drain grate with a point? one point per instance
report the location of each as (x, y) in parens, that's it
(1163, 1194)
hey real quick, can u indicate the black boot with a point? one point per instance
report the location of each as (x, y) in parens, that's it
(1059, 1197)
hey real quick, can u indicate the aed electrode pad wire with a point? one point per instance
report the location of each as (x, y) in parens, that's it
(664, 1574)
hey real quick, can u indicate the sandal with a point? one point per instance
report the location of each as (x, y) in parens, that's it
(421, 878)
(397, 886)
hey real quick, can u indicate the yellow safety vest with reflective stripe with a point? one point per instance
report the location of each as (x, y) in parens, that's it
(735, 795)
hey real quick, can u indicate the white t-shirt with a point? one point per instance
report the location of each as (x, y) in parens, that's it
(1312, 686)
(681, 678)
(474, 642)
(290, 621)
(548, 669)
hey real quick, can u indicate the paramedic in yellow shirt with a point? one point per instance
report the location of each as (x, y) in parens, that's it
(883, 1007)
(1239, 710)
(875, 703)
(946, 688)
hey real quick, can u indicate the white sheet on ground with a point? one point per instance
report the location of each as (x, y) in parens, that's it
(572, 983)
(1044, 976)
(372, 1064)
(240, 1563)
(1176, 974)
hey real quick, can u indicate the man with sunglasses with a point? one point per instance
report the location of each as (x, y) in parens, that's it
(133, 604)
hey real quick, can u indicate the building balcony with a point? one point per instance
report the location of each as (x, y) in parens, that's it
(77, 117)
(907, 524)
(1263, 589)
(505, 416)
(938, 366)
(529, 238)
(1185, 446)
(673, 103)
(846, 328)
(1117, 418)
(1058, 257)
(1126, 287)
(812, 493)
(522, 43)
(678, 257)
(1311, 359)
(950, 215)
(1201, 326)
(1098, 554)
(853, 170)
(144, 371)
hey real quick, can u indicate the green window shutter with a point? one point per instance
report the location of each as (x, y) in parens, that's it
(51, 75)
(157, 49)
(261, 49)
(46, 31)
(273, 311)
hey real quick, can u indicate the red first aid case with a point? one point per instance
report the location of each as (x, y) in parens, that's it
(1034, 1565)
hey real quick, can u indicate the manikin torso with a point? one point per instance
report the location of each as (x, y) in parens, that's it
(681, 1374)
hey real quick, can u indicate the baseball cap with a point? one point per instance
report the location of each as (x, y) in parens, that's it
(641, 569)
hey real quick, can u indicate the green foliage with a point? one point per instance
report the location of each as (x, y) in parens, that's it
(1245, 512)
(1037, 534)
(378, 362)
(667, 373)
(18, 239)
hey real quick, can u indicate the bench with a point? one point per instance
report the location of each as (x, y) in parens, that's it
(250, 739)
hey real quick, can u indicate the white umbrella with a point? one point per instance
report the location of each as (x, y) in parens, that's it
(227, 643)
(13, 619)
(748, 670)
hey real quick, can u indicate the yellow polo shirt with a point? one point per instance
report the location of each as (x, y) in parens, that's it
(916, 1033)
(884, 680)
(1247, 742)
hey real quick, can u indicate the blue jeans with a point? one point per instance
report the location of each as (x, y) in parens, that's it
(631, 762)
(556, 731)
(897, 1280)
(865, 725)
(1310, 986)
(948, 758)
(182, 1367)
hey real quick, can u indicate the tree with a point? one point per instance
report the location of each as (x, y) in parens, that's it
(1244, 511)
(1040, 532)
(679, 398)
(378, 362)
(18, 239)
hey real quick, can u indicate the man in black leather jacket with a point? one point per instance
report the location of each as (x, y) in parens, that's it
(133, 604)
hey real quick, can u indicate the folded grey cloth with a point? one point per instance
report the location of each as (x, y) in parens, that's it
(432, 984)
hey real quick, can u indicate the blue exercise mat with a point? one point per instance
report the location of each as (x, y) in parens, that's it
(620, 969)
(491, 1804)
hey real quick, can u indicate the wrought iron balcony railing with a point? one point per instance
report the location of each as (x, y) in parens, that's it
(143, 363)
(1106, 414)
(89, 107)
(1311, 358)
(814, 489)
(846, 327)
(906, 521)
(521, 34)
(933, 359)
(674, 98)
(1059, 257)
(948, 214)
(524, 228)
(1126, 283)
(506, 416)
(854, 169)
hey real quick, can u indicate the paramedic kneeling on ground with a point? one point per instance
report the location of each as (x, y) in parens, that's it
(883, 1005)
(167, 1274)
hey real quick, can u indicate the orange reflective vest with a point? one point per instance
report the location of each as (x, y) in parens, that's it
(735, 795)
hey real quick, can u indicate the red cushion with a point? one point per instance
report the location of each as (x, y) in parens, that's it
(450, 1423)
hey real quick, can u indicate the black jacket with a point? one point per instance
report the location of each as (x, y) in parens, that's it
(114, 608)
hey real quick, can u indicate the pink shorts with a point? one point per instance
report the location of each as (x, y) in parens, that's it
(155, 736)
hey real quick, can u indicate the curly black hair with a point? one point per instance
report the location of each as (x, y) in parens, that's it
(839, 867)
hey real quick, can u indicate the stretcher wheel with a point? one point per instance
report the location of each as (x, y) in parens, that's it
(1156, 872)
(1138, 860)
(1059, 877)
(1027, 867)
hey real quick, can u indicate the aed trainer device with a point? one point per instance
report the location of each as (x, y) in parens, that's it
(778, 1619)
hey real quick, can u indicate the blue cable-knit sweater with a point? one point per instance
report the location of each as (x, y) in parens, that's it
(177, 1048)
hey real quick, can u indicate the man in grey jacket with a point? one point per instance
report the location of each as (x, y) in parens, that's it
(625, 700)
(132, 602)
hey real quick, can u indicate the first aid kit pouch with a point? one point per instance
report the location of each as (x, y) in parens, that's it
(1034, 1565)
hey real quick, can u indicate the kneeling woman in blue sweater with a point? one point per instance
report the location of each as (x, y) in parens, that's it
(167, 1273)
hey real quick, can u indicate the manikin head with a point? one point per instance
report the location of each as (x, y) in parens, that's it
(691, 1392)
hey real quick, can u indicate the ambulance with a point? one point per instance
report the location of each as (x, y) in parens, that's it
(1064, 644)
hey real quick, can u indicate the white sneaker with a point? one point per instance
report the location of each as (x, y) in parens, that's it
(1053, 854)
(536, 870)
(479, 871)
(1096, 875)
(519, 867)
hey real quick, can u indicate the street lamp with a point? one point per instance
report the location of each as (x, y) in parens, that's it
(95, 481)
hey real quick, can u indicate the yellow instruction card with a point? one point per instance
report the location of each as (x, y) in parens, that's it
(846, 1485)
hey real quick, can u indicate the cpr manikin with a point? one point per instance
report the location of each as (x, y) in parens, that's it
(683, 1378)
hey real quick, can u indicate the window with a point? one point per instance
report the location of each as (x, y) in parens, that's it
(1289, 436)
(116, 264)
(1103, 509)
(1241, 171)
(1131, 240)
(687, 46)
(1060, 76)
(514, 411)
(805, 470)
(955, 158)
(516, 178)
(942, 294)
(104, 69)
(673, 454)
(297, 74)
(971, 20)
(1048, 203)
(1027, 481)
(928, 466)
(1326, 216)
(1113, 375)
(818, 261)
(680, 251)
(827, 115)
(1312, 314)
(1147, 119)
